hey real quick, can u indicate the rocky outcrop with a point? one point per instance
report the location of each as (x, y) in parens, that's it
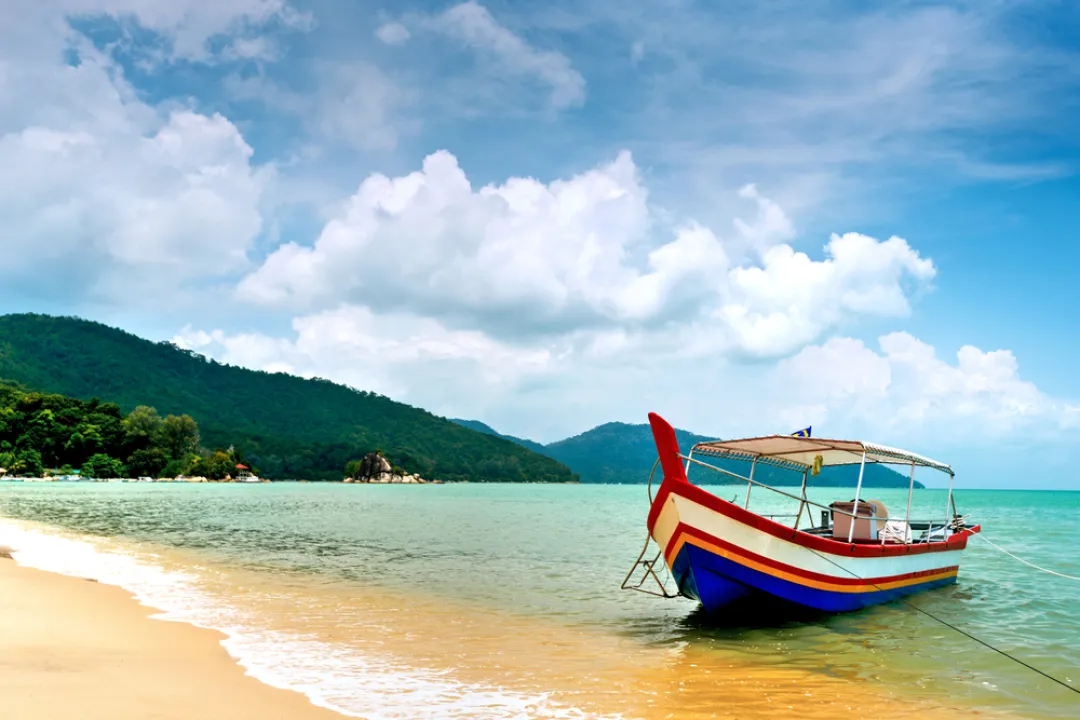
(371, 466)
(388, 477)
(374, 468)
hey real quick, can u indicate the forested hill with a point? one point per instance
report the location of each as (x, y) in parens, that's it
(288, 426)
(618, 452)
(488, 430)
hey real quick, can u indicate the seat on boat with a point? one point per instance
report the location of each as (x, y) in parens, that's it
(872, 519)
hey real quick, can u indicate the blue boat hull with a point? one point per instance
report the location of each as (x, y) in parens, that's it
(718, 582)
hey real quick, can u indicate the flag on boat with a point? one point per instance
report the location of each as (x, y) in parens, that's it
(805, 432)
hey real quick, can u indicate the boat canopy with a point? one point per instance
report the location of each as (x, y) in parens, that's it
(799, 453)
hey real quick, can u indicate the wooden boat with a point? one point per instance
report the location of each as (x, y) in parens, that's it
(719, 552)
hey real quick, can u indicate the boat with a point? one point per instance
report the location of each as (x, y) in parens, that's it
(855, 555)
(245, 475)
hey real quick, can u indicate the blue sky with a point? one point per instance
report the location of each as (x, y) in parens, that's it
(747, 216)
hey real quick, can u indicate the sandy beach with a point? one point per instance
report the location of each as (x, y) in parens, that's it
(73, 648)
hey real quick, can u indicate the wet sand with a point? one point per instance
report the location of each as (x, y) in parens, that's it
(73, 648)
(70, 647)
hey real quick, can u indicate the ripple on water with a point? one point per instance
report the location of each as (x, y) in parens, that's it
(513, 588)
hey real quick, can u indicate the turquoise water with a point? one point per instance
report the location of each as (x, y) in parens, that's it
(555, 556)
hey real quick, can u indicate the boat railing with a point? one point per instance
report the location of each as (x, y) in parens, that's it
(906, 525)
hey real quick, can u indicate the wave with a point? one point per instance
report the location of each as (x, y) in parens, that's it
(336, 677)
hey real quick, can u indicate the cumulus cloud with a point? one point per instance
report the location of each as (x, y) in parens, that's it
(790, 299)
(101, 191)
(407, 357)
(525, 259)
(905, 387)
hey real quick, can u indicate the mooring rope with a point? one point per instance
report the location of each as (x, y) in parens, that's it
(965, 633)
(1029, 564)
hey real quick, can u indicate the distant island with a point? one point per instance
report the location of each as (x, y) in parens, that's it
(624, 453)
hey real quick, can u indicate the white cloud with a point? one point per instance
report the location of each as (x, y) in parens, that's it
(103, 193)
(527, 259)
(821, 97)
(407, 357)
(472, 24)
(180, 202)
(393, 33)
(902, 395)
(354, 103)
(187, 25)
(790, 299)
(905, 389)
(358, 103)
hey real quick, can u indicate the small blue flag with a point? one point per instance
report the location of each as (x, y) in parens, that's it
(805, 432)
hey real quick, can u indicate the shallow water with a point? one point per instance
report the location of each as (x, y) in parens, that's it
(499, 601)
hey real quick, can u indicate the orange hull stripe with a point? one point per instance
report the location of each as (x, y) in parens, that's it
(807, 582)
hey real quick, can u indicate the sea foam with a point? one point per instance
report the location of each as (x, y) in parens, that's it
(333, 676)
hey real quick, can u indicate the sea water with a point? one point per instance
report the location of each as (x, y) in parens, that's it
(503, 601)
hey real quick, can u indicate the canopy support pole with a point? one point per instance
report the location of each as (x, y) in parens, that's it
(858, 490)
(750, 485)
(802, 502)
(907, 518)
(948, 505)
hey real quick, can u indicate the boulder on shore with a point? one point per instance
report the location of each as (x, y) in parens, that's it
(387, 478)
(374, 468)
(371, 466)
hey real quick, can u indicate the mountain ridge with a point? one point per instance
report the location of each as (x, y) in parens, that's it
(290, 427)
(624, 453)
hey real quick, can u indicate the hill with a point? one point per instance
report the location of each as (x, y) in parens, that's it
(618, 452)
(488, 430)
(288, 426)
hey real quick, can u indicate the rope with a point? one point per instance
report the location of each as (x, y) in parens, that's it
(966, 634)
(1029, 564)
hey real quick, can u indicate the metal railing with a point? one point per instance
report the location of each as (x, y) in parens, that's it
(906, 525)
(647, 562)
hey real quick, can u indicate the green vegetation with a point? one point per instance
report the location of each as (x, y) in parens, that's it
(39, 431)
(488, 430)
(290, 427)
(623, 453)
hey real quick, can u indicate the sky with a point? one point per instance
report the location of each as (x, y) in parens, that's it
(749, 217)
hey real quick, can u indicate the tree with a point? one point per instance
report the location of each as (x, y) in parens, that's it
(85, 441)
(149, 462)
(181, 466)
(141, 426)
(28, 463)
(219, 465)
(39, 429)
(179, 436)
(102, 466)
(43, 435)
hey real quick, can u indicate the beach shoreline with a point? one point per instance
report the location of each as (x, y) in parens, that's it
(312, 603)
(73, 647)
